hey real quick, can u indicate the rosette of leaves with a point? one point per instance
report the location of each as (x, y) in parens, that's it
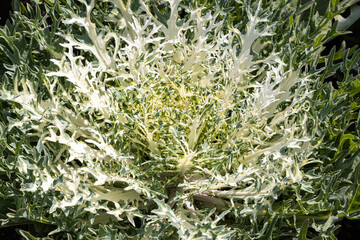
(178, 120)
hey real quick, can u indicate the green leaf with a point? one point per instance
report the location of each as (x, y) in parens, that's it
(303, 230)
(26, 235)
(355, 201)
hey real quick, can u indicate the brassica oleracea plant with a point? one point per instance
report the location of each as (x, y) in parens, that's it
(170, 119)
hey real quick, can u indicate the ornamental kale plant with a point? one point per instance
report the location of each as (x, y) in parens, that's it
(144, 119)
